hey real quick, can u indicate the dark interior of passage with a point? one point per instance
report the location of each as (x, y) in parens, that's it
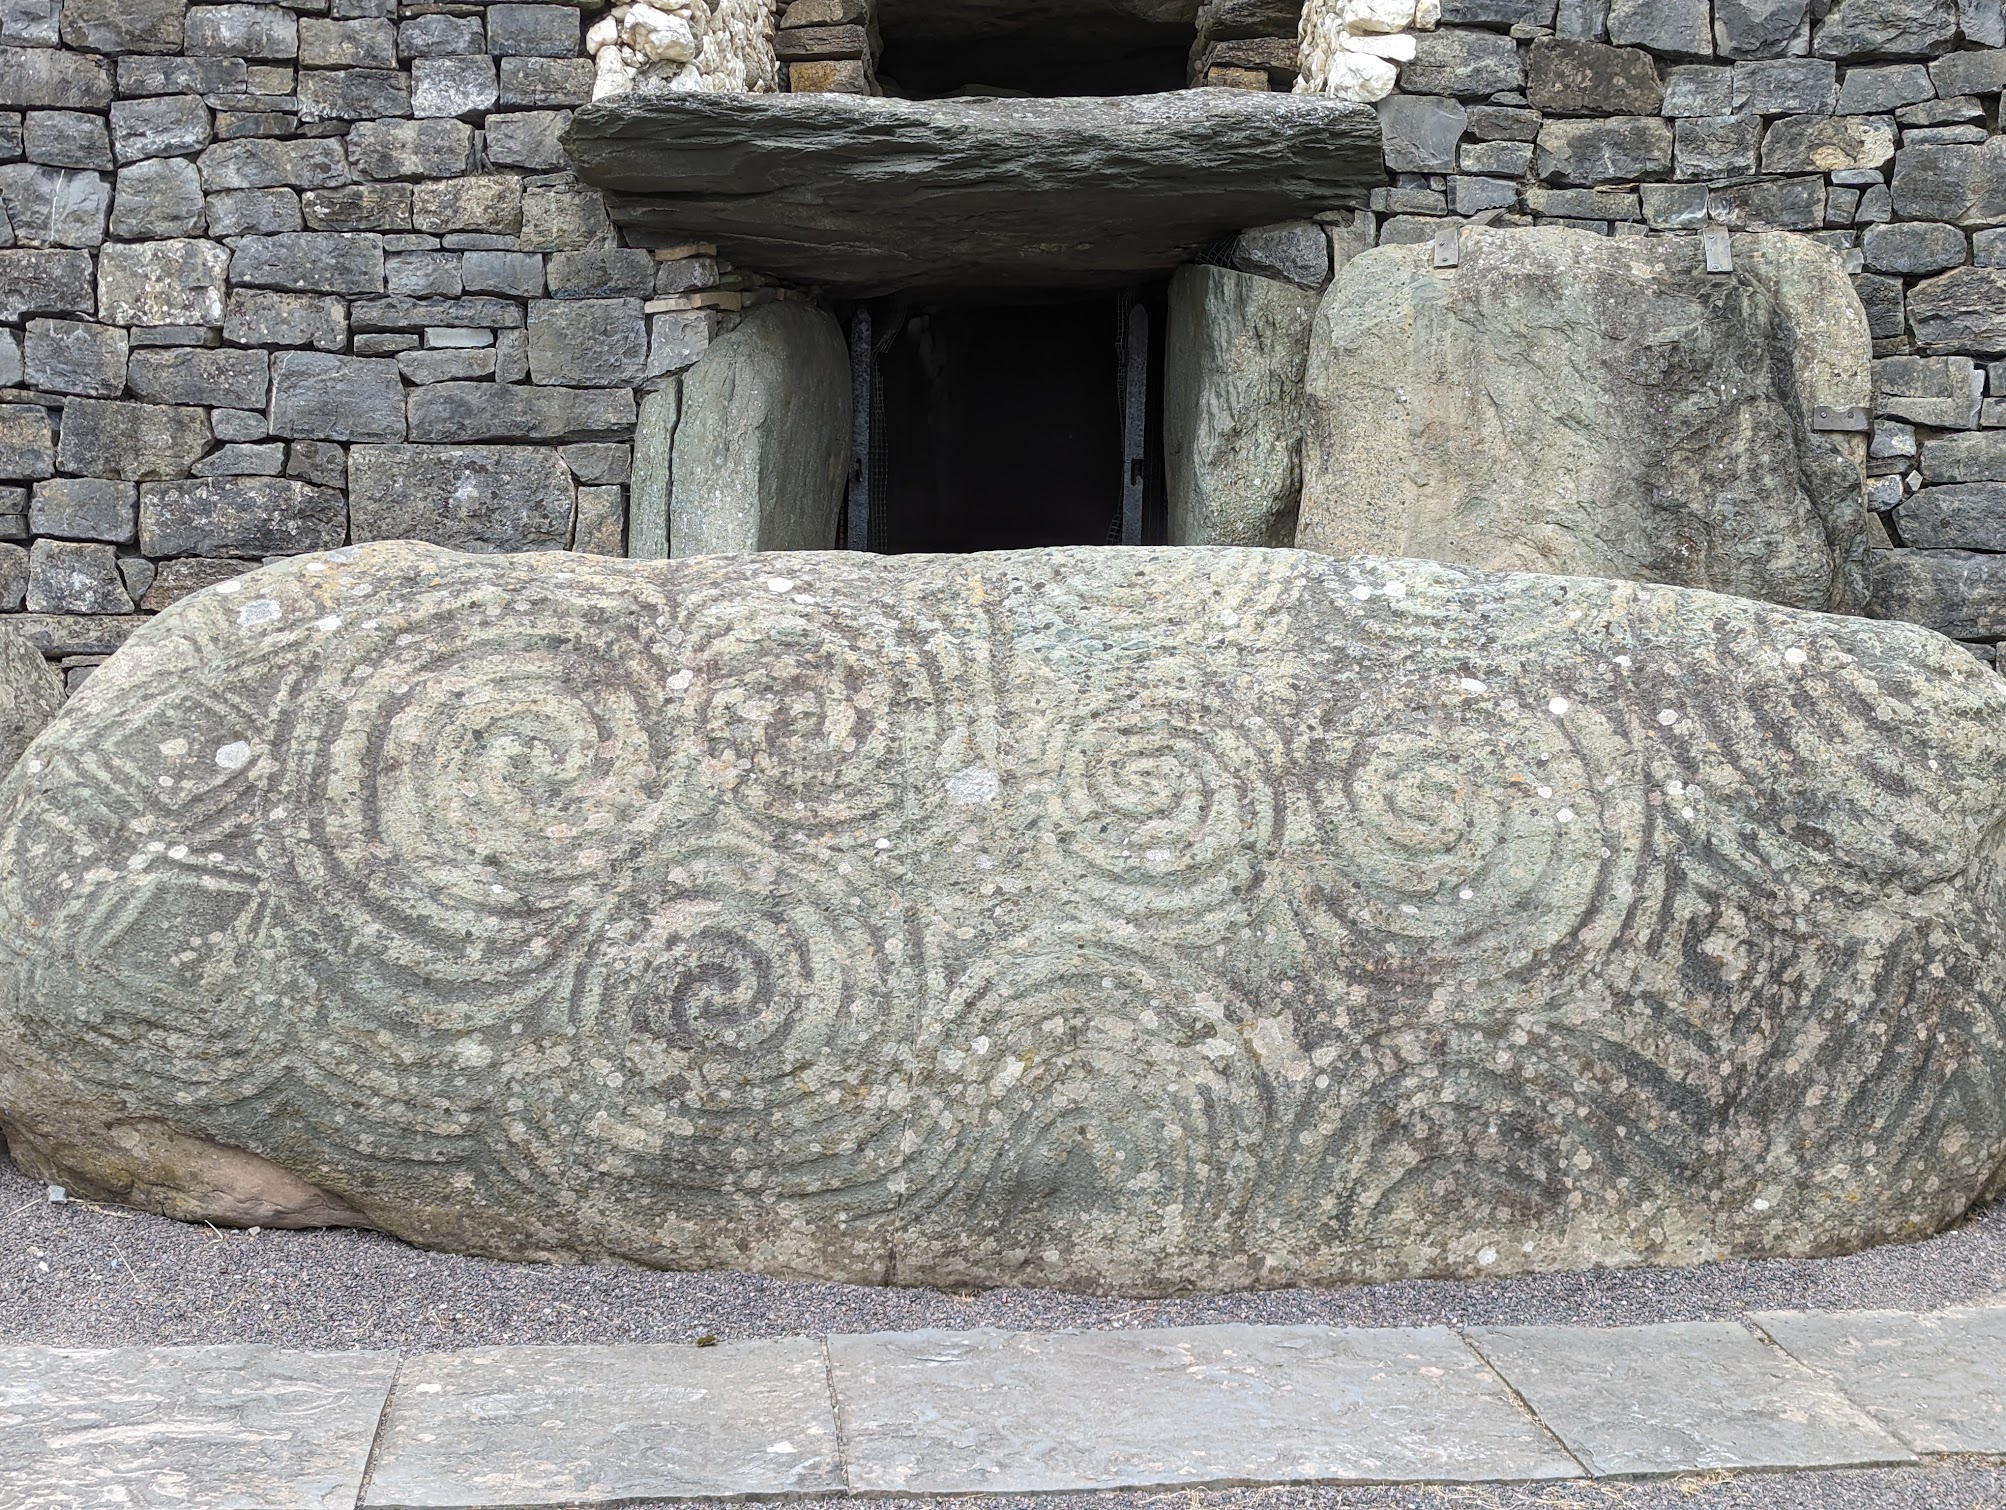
(1082, 51)
(922, 70)
(1000, 424)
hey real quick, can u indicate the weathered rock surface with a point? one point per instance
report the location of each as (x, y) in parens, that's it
(1233, 405)
(1758, 28)
(1962, 516)
(1962, 312)
(1143, 921)
(30, 695)
(239, 516)
(1961, 593)
(1777, 204)
(469, 498)
(1578, 75)
(875, 195)
(762, 447)
(1898, 28)
(1570, 403)
(75, 577)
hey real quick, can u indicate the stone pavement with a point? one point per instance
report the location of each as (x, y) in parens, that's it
(924, 1413)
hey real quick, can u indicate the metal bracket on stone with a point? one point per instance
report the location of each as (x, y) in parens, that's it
(1448, 246)
(1854, 421)
(1719, 250)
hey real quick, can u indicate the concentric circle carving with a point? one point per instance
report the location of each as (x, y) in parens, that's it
(1138, 920)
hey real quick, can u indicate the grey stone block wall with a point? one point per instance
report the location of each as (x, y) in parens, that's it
(278, 276)
(1871, 125)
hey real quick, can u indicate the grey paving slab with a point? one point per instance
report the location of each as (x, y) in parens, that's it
(1683, 1396)
(1003, 1412)
(222, 1428)
(1937, 1381)
(582, 1426)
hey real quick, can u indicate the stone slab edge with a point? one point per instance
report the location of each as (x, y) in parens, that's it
(1752, 1323)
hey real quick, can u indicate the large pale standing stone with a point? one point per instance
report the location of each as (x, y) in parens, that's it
(1141, 920)
(1232, 427)
(1574, 403)
(762, 449)
(30, 695)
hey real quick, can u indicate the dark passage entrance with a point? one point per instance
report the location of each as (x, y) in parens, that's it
(1004, 423)
(1031, 65)
(1034, 47)
(1003, 427)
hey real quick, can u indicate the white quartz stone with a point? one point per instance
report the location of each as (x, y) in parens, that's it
(1352, 49)
(699, 46)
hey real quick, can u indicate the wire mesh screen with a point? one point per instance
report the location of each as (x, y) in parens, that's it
(1218, 253)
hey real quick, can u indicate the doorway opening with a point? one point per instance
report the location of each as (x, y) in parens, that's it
(1083, 48)
(933, 70)
(1007, 422)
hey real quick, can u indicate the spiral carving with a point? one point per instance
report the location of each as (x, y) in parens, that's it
(1134, 920)
(819, 714)
(1084, 1093)
(1473, 829)
(442, 809)
(1161, 806)
(704, 1026)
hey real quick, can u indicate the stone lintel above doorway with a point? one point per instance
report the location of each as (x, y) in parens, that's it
(863, 196)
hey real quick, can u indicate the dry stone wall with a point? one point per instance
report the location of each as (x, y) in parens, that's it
(280, 276)
(1871, 125)
(275, 277)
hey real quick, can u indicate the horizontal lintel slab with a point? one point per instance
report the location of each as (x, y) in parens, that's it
(867, 196)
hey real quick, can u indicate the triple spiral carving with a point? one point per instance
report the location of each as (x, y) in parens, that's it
(990, 914)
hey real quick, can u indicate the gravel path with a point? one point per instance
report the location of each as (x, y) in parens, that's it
(1944, 1486)
(82, 1275)
(91, 1276)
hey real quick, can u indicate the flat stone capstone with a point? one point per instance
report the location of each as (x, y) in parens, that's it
(1143, 921)
(870, 196)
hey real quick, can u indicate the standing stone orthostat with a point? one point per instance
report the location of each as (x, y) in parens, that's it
(761, 445)
(1233, 406)
(1599, 406)
(1146, 921)
(30, 695)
